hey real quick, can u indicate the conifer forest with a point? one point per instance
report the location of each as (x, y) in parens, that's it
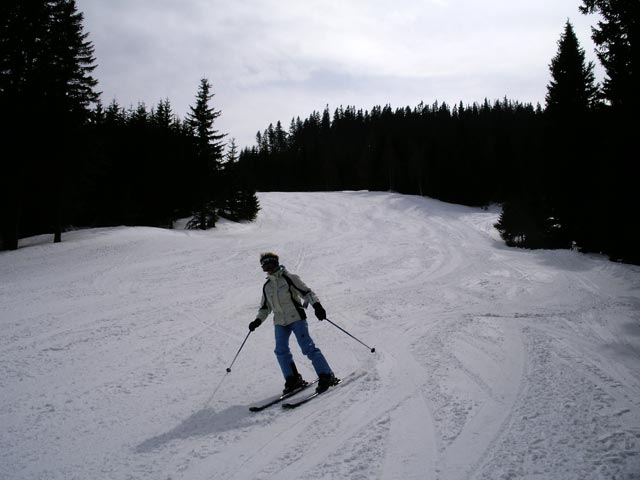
(563, 172)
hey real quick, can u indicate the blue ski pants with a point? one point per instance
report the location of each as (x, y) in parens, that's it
(301, 330)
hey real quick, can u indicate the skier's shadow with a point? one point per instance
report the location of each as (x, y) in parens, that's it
(202, 423)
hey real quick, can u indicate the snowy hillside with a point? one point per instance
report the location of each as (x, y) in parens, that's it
(490, 362)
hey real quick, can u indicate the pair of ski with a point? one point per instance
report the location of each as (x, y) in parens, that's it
(295, 404)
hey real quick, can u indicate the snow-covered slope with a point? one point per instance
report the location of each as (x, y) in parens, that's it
(490, 362)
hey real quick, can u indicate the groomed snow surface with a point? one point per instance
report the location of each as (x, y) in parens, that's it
(491, 362)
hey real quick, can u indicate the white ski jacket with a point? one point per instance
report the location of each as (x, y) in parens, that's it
(286, 295)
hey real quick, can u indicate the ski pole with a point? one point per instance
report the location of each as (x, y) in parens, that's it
(234, 358)
(373, 350)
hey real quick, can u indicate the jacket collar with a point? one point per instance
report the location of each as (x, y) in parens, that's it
(277, 273)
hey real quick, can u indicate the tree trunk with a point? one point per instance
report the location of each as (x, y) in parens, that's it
(10, 223)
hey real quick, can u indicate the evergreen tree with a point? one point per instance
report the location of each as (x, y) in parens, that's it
(240, 201)
(69, 96)
(163, 116)
(571, 97)
(617, 38)
(572, 89)
(72, 60)
(542, 213)
(230, 203)
(526, 221)
(232, 155)
(45, 73)
(208, 150)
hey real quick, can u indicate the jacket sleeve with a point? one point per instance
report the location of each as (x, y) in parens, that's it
(265, 308)
(308, 295)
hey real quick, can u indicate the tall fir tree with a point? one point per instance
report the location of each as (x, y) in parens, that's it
(45, 73)
(542, 214)
(572, 96)
(208, 151)
(572, 90)
(240, 201)
(617, 37)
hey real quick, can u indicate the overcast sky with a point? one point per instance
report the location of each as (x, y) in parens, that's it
(271, 60)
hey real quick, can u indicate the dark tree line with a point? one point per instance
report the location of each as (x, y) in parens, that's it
(565, 175)
(69, 162)
(461, 154)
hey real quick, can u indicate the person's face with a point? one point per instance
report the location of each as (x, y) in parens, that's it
(270, 266)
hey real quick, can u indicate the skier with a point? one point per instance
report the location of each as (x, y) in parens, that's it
(283, 294)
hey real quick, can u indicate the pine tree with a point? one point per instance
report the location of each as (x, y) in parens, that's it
(163, 116)
(572, 95)
(240, 201)
(541, 212)
(72, 61)
(617, 38)
(208, 150)
(525, 221)
(45, 73)
(572, 89)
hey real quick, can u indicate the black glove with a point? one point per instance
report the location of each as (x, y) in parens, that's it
(255, 324)
(320, 312)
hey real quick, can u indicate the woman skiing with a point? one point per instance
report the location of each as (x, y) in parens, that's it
(286, 295)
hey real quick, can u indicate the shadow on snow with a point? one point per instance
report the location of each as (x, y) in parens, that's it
(202, 423)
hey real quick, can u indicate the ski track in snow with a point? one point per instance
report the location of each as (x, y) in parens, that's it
(490, 363)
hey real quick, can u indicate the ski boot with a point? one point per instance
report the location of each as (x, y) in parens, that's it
(326, 380)
(293, 382)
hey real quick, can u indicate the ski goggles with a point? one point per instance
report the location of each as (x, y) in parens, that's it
(268, 260)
